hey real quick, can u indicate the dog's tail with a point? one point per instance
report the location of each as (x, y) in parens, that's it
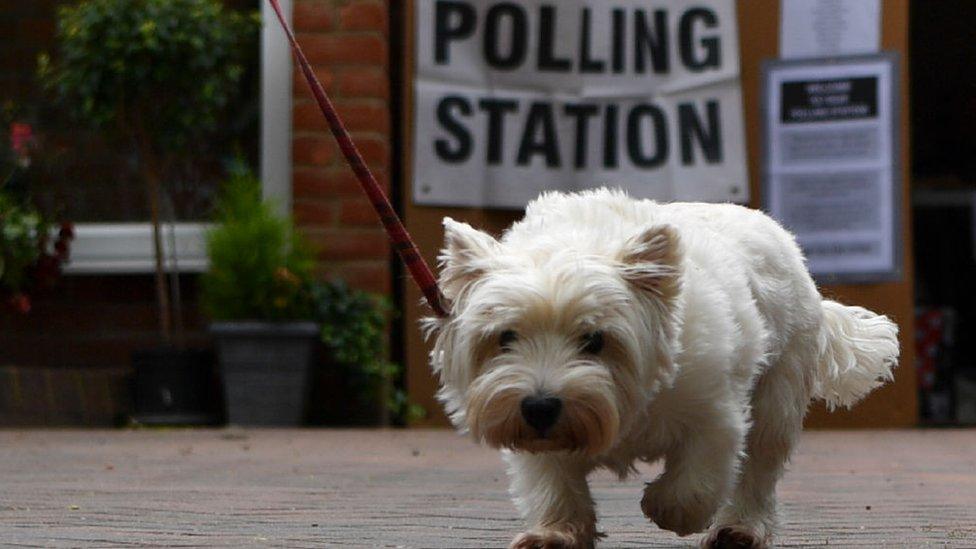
(857, 351)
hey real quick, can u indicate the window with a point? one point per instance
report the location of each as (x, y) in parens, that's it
(88, 180)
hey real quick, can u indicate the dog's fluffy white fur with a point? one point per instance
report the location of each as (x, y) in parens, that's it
(688, 332)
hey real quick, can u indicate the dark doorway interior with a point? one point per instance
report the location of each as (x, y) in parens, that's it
(943, 121)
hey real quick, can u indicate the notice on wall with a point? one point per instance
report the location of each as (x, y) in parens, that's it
(830, 165)
(514, 98)
(829, 28)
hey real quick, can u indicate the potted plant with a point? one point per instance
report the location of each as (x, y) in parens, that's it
(257, 291)
(155, 75)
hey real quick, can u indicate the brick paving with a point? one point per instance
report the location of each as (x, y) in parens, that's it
(414, 488)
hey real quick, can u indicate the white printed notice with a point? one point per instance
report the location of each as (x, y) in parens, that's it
(830, 166)
(829, 28)
(514, 98)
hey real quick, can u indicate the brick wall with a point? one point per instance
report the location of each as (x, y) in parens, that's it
(63, 396)
(68, 361)
(347, 42)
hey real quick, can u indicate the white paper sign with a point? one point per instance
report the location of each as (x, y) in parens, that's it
(829, 28)
(830, 166)
(513, 98)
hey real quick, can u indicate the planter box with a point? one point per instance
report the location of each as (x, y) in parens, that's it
(265, 370)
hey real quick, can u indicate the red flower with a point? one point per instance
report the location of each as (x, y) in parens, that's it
(20, 137)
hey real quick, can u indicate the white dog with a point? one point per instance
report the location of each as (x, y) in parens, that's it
(601, 330)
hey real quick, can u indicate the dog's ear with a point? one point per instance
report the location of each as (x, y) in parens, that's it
(651, 261)
(466, 256)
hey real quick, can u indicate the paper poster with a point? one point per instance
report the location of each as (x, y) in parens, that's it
(829, 28)
(513, 98)
(830, 164)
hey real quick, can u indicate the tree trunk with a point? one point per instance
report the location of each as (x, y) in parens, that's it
(150, 170)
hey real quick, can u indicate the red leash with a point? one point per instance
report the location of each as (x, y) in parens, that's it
(402, 243)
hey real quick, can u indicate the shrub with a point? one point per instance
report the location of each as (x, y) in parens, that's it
(260, 268)
(354, 330)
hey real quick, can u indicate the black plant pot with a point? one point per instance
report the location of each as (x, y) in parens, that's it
(174, 386)
(265, 370)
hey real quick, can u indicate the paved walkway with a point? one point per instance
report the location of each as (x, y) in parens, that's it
(319, 488)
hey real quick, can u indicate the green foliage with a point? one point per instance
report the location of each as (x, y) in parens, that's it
(354, 329)
(164, 68)
(353, 323)
(260, 269)
(22, 232)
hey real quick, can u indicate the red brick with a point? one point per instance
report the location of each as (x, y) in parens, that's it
(357, 117)
(316, 151)
(307, 116)
(364, 16)
(316, 183)
(309, 16)
(309, 213)
(347, 245)
(351, 49)
(363, 82)
(375, 151)
(357, 212)
(329, 183)
(347, 44)
(373, 277)
(300, 85)
(364, 117)
(310, 183)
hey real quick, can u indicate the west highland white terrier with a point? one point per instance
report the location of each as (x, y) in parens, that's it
(601, 330)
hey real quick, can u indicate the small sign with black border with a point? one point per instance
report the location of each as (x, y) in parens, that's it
(830, 171)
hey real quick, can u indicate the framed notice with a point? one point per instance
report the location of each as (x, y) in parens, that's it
(830, 170)
(513, 98)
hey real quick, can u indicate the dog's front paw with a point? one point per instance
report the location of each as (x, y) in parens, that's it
(554, 537)
(733, 537)
(677, 508)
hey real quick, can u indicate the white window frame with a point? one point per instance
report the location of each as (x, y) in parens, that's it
(126, 248)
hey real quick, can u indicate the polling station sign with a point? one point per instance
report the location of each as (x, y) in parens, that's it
(513, 98)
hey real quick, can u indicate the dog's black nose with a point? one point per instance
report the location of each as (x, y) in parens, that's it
(541, 412)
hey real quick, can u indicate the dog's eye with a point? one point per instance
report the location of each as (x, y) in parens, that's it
(593, 343)
(506, 339)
